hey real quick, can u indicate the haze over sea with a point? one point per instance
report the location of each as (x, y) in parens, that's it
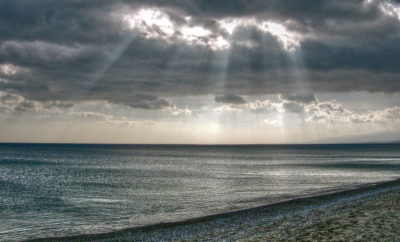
(65, 189)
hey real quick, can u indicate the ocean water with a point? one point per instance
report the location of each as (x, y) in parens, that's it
(58, 190)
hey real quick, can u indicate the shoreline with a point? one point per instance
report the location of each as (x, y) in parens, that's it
(200, 226)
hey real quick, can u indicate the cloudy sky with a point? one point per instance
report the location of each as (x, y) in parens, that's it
(198, 71)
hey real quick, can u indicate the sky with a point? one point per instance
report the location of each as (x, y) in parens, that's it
(198, 71)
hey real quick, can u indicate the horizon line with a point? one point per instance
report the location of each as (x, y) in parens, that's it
(197, 144)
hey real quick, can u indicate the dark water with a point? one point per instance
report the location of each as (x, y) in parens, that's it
(56, 190)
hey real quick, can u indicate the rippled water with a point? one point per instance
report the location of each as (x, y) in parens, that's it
(56, 190)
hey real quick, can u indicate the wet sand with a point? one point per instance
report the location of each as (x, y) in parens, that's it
(368, 213)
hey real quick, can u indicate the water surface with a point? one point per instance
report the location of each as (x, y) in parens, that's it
(57, 190)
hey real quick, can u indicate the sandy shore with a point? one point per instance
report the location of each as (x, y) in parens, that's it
(373, 218)
(370, 213)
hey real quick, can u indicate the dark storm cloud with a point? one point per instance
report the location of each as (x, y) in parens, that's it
(145, 101)
(294, 9)
(230, 98)
(64, 22)
(382, 56)
(83, 50)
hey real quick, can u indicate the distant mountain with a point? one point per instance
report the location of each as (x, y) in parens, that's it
(388, 136)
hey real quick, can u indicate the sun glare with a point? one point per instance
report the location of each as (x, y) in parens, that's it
(194, 32)
(10, 69)
(288, 40)
(154, 23)
(391, 9)
(229, 25)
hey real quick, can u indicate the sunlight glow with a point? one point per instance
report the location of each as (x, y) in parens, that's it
(229, 25)
(152, 22)
(391, 9)
(156, 24)
(274, 122)
(288, 40)
(191, 33)
(9, 69)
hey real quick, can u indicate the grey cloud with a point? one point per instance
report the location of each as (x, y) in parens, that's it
(230, 98)
(293, 107)
(79, 51)
(258, 106)
(10, 103)
(301, 98)
(390, 115)
(294, 9)
(379, 56)
(62, 22)
(333, 111)
(145, 101)
(93, 116)
(317, 112)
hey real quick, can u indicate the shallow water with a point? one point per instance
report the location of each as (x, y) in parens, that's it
(57, 190)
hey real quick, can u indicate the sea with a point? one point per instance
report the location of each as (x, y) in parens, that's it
(51, 190)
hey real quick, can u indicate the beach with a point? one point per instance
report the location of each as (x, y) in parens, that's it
(370, 212)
